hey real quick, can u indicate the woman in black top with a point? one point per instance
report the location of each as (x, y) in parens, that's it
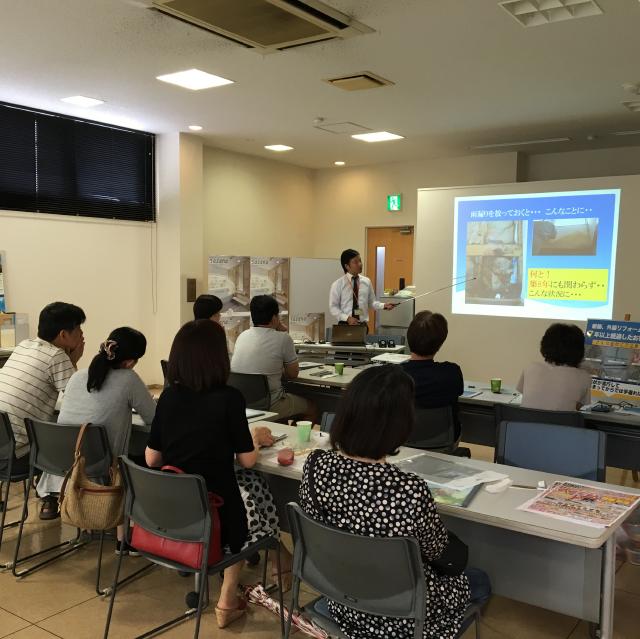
(437, 384)
(200, 426)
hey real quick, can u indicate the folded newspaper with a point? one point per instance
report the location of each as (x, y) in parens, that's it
(446, 473)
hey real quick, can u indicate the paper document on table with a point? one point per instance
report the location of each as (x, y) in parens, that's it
(446, 473)
(579, 503)
(391, 358)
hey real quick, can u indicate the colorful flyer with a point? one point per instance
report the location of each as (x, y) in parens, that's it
(583, 504)
(230, 280)
(270, 276)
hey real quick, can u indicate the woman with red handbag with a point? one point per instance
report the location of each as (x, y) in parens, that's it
(201, 427)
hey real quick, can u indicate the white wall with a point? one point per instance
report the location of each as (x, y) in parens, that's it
(488, 347)
(102, 266)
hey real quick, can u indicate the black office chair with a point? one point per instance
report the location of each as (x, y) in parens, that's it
(326, 421)
(52, 450)
(8, 475)
(254, 389)
(338, 565)
(553, 448)
(435, 429)
(176, 506)
(164, 365)
(511, 413)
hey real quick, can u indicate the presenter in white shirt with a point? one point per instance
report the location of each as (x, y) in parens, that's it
(352, 295)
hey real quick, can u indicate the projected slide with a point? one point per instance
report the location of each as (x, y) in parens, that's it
(549, 255)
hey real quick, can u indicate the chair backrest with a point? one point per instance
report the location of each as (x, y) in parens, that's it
(434, 429)
(7, 439)
(326, 421)
(511, 413)
(171, 505)
(553, 448)
(339, 565)
(53, 448)
(164, 365)
(254, 389)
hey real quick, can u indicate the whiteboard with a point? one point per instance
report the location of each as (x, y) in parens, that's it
(311, 279)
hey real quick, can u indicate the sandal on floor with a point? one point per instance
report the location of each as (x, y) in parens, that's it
(49, 508)
(226, 616)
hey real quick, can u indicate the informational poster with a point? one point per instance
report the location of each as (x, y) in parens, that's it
(230, 280)
(548, 255)
(3, 306)
(270, 276)
(307, 327)
(612, 355)
(236, 279)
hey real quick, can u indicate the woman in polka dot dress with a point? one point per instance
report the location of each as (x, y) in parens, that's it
(354, 488)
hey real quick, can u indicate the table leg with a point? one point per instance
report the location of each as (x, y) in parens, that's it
(608, 588)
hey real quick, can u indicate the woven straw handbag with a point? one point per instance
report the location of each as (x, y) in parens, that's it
(86, 504)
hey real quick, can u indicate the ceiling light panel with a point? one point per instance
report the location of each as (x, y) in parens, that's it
(278, 148)
(195, 127)
(194, 79)
(82, 101)
(377, 136)
(534, 13)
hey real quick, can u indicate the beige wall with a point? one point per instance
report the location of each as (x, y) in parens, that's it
(347, 200)
(254, 206)
(582, 164)
(102, 266)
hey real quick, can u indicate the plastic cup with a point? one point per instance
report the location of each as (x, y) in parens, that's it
(304, 432)
(339, 368)
(496, 384)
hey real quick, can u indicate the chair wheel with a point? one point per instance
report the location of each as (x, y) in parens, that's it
(184, 573)
(254, 560)
(191, 599)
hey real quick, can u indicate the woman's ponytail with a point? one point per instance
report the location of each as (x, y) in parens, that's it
(123, 344)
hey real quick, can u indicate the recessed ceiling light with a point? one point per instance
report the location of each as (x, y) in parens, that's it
(339, 163)
(194, 79)
(195, 127)
(377, 136)
(278, 147)
(82, 101)
(502, 145)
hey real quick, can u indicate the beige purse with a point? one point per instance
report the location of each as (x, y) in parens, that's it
(86, 504)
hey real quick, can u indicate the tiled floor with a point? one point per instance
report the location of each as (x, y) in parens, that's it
(60, 600)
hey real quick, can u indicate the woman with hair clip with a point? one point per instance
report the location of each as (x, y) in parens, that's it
(104, 394)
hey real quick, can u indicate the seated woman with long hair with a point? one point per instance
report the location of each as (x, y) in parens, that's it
(104, 394)
(355, 488)
(201, 427)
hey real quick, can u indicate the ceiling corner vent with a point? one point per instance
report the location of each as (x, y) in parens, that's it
(533, 13)
(265, 25)
(359, 81)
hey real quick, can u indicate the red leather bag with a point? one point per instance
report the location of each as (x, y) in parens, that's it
(188, 553)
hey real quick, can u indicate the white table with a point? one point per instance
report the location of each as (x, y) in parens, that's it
(562, 566)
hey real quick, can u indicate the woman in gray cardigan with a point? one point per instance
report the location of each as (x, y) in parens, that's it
(104, 394)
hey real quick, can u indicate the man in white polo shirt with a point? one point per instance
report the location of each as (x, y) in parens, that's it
(267, 349)
(352, 295)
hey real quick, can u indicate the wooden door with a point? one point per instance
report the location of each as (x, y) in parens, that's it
(398, 243)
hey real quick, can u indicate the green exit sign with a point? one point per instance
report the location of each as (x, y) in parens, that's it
(394, 202)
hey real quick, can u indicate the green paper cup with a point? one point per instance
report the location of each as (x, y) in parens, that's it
(339, 368)
(496, 385)
(304, 432)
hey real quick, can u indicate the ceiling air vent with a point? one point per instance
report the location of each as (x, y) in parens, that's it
(265, 25)
(533, 13)
(359, 81)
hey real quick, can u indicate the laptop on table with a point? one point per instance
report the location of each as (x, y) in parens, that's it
(345, 335)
